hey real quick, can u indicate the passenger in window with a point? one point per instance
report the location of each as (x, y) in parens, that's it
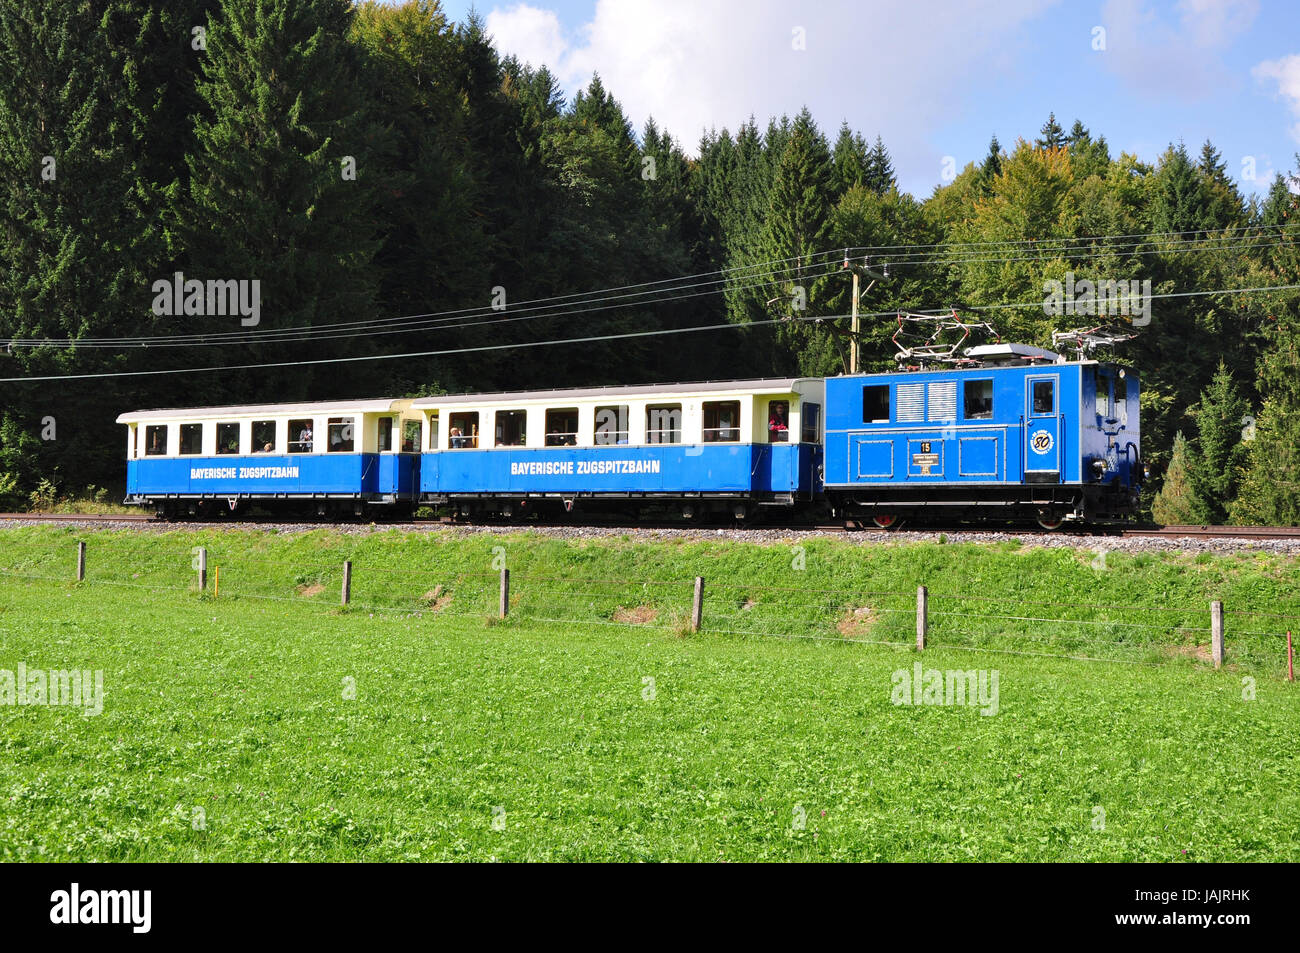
(778, 431)
(457, 439)
(268, 447)
(305, 438)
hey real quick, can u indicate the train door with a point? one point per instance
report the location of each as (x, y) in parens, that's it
(1042, 429)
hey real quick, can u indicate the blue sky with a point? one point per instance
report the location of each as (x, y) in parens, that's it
(937, 78)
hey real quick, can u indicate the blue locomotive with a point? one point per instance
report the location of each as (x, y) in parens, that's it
(1014, 430)
(1008, 430)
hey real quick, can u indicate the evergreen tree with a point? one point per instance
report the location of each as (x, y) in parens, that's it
(797, 226)
(1177, 503)
(851, 160)
(89, 163)
(1215, 469)
(991, 166)
(281, 181)
(880, 169)
(1052, 136)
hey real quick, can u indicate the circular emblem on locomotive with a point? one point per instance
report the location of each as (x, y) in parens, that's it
(1041, 441)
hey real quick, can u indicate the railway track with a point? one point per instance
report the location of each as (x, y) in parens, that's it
(1193, 532)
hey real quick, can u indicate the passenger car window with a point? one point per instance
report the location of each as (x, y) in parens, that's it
(721, 421)
(663, 423)
(385, 434)
(463, 434)
(228, 438)
(875, 404)
(263, 436)
(410, 436)
(512, 428)
(978, 400)
(562, 427)
(155, 440)
(778, 421)
(610, 425)
(340, 435)
(809, 422)
(191, 439)
(301, 439)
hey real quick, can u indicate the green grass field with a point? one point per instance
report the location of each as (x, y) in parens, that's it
(267, 723)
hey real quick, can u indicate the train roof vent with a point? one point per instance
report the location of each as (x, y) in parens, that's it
(1013, 354)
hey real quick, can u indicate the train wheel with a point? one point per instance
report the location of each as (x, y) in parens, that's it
(1049, 520)
(887, 520)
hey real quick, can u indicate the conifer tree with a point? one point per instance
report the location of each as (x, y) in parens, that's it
(1215, 468)
(1177, 503)
(1052, 136)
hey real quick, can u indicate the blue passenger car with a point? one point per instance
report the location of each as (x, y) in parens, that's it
(327, 457)
(726, 447)
(1022, 431)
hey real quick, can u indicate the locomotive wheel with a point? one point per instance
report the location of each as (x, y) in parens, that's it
(1049, 521)
(887, 520)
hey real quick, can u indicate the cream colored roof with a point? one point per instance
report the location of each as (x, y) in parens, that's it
(368, 406)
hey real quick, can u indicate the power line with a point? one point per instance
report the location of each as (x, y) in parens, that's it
(588, 339)
(444, 320)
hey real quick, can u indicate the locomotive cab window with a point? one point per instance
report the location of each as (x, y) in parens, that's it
(978, 400)
(385, 434)
(191, 439)
(1044, 397)
(512, 428)
(721, 421)
(228, 438)
(808, 424)
(155, 440)
(301, 438)
(463, 434)
(778, 421)
(1101, 383)
(663, 423)
(263, 436)
(1121, 400)
(875, 404)
(562, 427)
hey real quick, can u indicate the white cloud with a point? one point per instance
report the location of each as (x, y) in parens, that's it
(1285, 72)
(533, 35)
(900, 70)
(1161, 58)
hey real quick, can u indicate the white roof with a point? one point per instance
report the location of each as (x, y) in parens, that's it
(1010, 352)
(774, 385)
(368, 406)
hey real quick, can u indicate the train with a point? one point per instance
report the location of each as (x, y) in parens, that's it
(1009, 432)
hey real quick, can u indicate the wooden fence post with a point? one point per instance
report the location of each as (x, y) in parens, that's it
(347, 581)
(922, 616)
(1216, 632)
(697, 604)
(81, 561)
(203, 568)
(504, 608)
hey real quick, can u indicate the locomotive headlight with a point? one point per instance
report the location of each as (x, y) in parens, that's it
(1099, 466)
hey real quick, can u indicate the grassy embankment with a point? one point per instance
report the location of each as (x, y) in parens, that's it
(593, 725)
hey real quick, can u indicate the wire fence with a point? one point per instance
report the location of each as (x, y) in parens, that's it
(1244, 637)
